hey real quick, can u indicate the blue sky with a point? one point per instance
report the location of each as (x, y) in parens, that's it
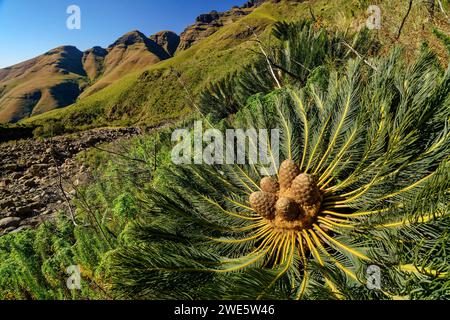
(31, 27)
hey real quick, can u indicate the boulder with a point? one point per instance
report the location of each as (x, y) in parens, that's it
(9, 222)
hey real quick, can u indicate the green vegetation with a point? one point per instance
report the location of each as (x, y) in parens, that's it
(374, 138)
(34, 262)
(444, 38)
(50, 128)
(374, 135)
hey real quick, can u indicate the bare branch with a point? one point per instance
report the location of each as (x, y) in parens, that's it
(61, 187)
(119, 154)
(313, 17)
(404, 19)
(189, 95)
(266, 56)
(359, 55)
(443, 10)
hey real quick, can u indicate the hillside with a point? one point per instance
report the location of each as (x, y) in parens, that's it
(59, 77)
(64, 75)
(157, 94)
(41, 84)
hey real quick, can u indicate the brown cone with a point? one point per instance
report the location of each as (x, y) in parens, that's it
(269, 184)
(287, 208)
(264, 204)
(304, 190)
(288, 171)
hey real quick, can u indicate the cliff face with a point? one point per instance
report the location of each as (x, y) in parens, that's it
(209, 23)
(167, 40)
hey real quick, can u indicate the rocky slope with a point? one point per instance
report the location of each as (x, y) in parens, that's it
(167, 40)
(39, 177)
(207, 24)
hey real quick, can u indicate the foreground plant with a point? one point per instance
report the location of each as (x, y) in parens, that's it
(364, 182)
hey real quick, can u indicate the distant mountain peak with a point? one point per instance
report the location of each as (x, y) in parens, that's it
(64, 49)
(98, 51)
(130, 38)
(168, 40)
(209, 23)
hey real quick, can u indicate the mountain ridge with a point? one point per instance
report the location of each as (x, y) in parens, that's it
(62, 74)
(76, 74)
(154, 92)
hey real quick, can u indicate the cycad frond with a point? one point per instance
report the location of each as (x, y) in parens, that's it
(372, 146)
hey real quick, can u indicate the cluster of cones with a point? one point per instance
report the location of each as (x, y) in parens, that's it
(293, 202)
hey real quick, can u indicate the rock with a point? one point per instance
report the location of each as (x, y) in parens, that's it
(38, 170)
(21, 228)
(4, 183)
(28, 209)
(33, 177)
(208, 17)
(45, 159)
(29, 183)
(16, 175)
(253, 3)
(168, 40)
(9, 167)
(25, 177)
(8, 203)
(207, 24)
(9, 222)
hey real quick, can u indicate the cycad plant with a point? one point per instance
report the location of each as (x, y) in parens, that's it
(363, 185)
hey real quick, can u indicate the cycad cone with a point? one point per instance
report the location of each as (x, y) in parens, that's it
(293, 203)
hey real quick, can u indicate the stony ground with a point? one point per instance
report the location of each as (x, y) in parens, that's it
(39, 177)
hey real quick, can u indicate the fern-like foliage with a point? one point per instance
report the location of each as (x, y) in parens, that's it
(376, 140)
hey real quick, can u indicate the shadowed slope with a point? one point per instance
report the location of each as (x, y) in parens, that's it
(51, 80)
(133, 51)
(57, 78)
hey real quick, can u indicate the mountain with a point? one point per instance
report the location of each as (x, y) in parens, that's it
(93, 62)
(155, 94)
(144, 80)
(207, 24)
(32, 88)
(59, 77)
(133, 51)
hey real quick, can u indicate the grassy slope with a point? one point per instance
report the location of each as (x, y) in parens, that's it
(156, 95)
(37, 85)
